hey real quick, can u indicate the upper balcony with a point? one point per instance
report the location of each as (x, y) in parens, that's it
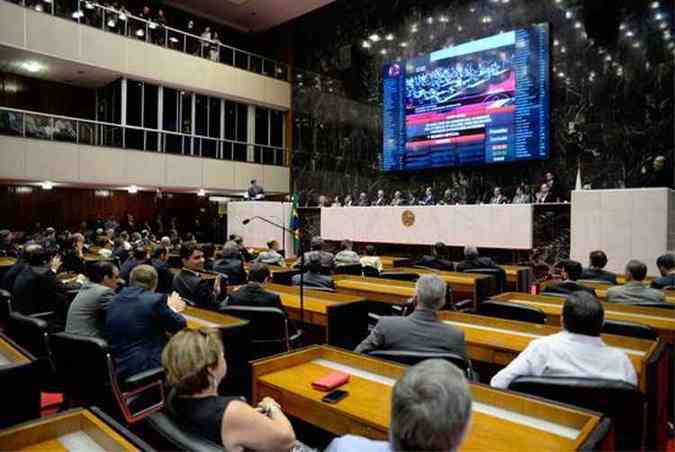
(125, 45)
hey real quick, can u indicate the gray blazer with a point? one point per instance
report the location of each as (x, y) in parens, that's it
(420, 332)
(634, 292)
(86, 315)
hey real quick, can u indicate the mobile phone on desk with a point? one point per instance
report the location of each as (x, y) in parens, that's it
(335, 396)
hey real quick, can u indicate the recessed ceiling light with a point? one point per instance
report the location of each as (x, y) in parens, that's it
(132, 189)
(46, 185)
(374, 37)
(32, 66)
(201, 192)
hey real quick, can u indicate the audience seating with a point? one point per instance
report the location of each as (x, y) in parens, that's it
(620, 401)
(269, 329)
(370, 271)
(87, 370)
(512, 311)
(499, 274)
(19, 389)
(350, 269)
(410, 358)
(631, 329)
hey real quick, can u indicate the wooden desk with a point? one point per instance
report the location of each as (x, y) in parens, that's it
(6, 262)
(78, 429)
(518, 278)
(601, 290)
(375, 289)
(203, 318)
(511, 421)
(10, 355)
(662, 320)
(499, 341)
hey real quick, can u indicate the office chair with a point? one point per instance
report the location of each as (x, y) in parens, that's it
(400, 276)
(512, 311)
(410, 358)
(19, 389)
(499, 274)
(630, 329)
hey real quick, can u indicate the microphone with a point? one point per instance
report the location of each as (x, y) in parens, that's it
(246, 221)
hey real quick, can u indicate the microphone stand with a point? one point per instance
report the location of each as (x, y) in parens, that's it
(302, 262)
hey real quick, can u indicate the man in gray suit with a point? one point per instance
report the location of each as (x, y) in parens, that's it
(421, 331)
(635, 290)
(313, 277)
(86, 315)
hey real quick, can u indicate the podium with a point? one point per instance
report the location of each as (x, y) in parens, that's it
(626, 224)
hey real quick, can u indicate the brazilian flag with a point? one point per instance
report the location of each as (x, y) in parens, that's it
(295, 223)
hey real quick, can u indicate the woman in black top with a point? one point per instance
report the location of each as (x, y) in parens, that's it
(195, 366)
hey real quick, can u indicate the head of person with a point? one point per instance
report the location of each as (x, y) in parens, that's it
(666, 263)
(50, 233)
(231, 250)
(497, 191)
(238, 240)
(583, 314)
(447, 193)
(346, 245)
(192, 257)
(140, 253)
(144, 276)
(103, 241)
(110, 232)
(253, 182)
(470, 252)
(370, 250)
(259, 273)
(316, 244)
(428, 191)
(544, 188)
(106, 274)
(380, 193)
(5, 236)
(314, 264)
(348, 198)
(597, 259)
(35, 255)
(124, 235)
(77, 240)
(519, 190)
(397, 194)
(273, 245)
(549, 178)
(194, 361)
(571, 270)
(136, 237)
(322, 200)
(439, 249)
(430, 408)
(160, 253)
(362, 195)
(165, 242)
(659, 163)
(430, 292)
(636, 270)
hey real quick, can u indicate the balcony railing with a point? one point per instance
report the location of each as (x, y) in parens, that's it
(120, 21)
(30, 124)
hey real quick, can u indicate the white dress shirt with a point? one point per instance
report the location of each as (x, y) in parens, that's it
(566, 354)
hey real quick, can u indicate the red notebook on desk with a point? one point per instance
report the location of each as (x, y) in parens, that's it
(331, 381)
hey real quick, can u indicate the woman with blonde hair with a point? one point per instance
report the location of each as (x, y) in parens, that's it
(195, 365)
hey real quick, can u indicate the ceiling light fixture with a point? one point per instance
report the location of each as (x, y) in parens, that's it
(201, 192)
(46, 185)
(132, 189)
(32, 66)
(374, 37)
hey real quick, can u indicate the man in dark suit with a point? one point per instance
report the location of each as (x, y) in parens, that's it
(86, 315)
(231, 264)
(190, 282)
(138, 320)
(380, 201)
(666, 264)
(36, 288)
(7, 245)
(255, 191)
(327, 259)
(473, 260)
(254, 293)
(570, 273)
(635, 290)
(313, 277)
(140, 257)
(428, 199)
(598, 260)
(421, 331)
(160, 256)
(437, 260)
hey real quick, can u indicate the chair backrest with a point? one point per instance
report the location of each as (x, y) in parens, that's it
(594, 281)
(411, 358)
(29, 332)
(620, 401)
(269, 328)
(370, 271)
(349, 269)
(176, 436)
(399, 276)
(555, 294)
(631, 329)
(512, 311)
(19, 390)
(5, 305)
(499, 274)
(669, 306)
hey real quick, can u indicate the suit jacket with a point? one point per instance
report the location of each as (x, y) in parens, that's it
(7, 280)
(419, 332)
(255, 295)
(271, 257)
(86, 315)
(73, 263)
(233, 268)
(36, 289)
(380, 202)
(136, 324)
(327, 259)
(191, 286)
(568, 287)
(165, 277)
(600, 275)
(634, 292)
(129, 265)
(480, 262)
(664, 281)
(435, 262)
(314, 280)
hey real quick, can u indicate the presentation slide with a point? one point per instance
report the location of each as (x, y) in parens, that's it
(481, 102)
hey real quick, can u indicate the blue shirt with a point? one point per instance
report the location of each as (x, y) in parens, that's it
(351, 443)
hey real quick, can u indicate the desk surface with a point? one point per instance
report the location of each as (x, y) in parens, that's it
(375, 289)
(77, 429)
(513, 422)
(662, 320)
(314, 300)
(10, 355)
(499, 341)
(202, 318)
(7, 261)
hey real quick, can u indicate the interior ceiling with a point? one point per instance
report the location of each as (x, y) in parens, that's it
(250, 15)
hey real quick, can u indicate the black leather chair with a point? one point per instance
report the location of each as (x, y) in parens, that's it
(350, 269)
(175, 436)
(269, 329)
(631, 329)
(512, 311)
(19, 389)
(87, 370)
(370, 271)
(410, 358)
(29, 332)
(499, 274)
(620, 401)
(399, 276)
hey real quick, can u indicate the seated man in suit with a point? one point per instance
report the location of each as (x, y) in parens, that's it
(576, 351)
(7, 245)
(139, 257)
(473, 260)
(138, 320)
(598, 260)
(570, 273)
(421, 421)
(371, 259)
(9, 276)
(635, 290)
(239, 241)
(313, 277)
(190, 282)
(327, 259)
(159, 261)
(36, 288)
(421, 331)
(254, 293)
(346, 255)
(231, 264)
(437, 259)
(271, 256)
(666, 264)
(86, 315)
